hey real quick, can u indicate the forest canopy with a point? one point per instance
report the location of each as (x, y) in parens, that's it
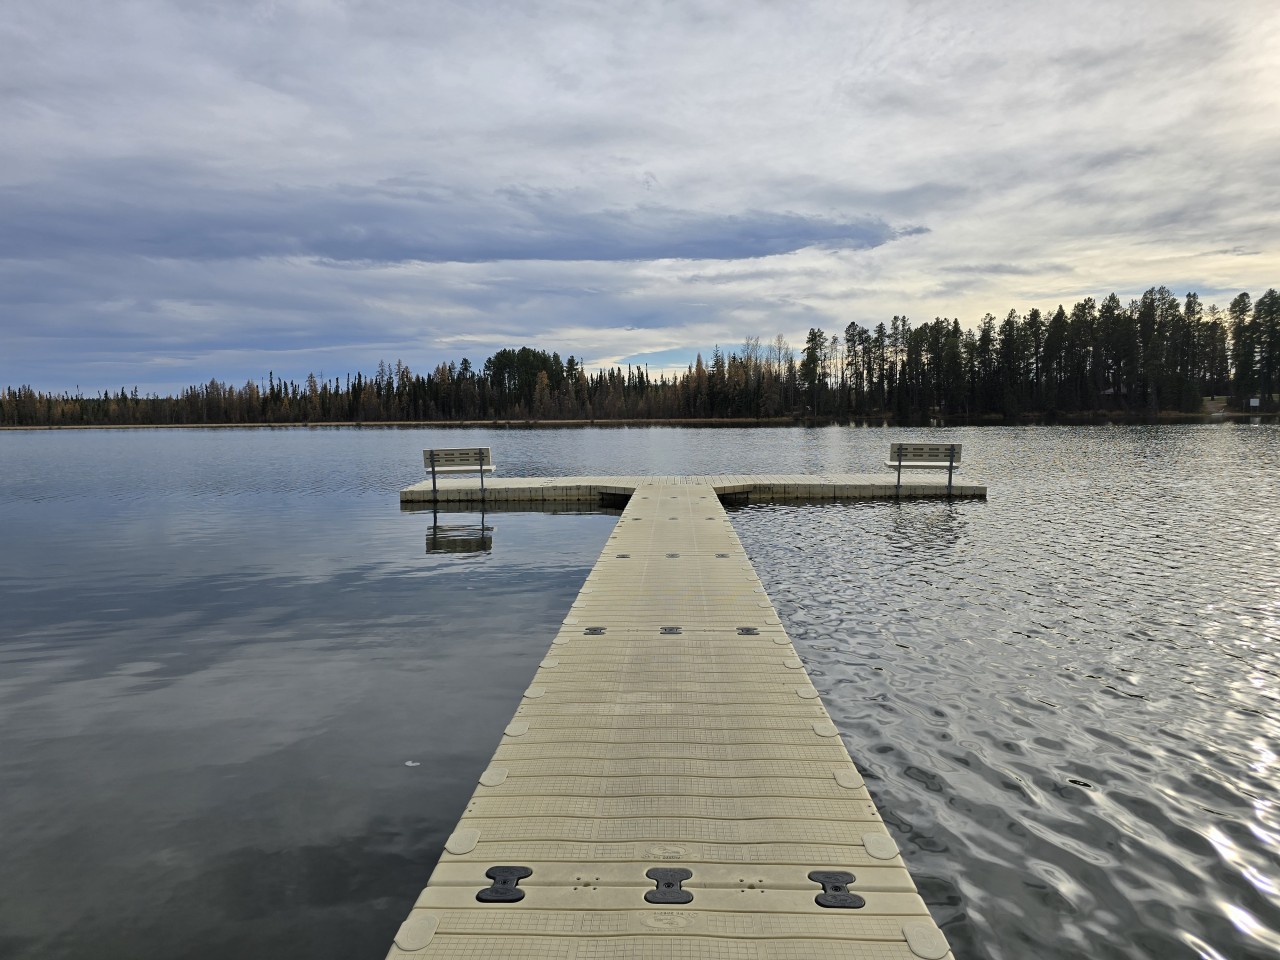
(1156, 354)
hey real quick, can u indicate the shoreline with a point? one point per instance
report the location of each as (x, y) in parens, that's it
(1062, 420)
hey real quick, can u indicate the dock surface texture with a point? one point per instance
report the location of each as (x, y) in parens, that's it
(828, 486)
(671, 732)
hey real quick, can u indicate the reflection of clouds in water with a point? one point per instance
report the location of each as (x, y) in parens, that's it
(278, 894)
(240, 705)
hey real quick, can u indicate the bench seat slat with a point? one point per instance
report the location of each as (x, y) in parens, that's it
(927, 464)
(487, 468)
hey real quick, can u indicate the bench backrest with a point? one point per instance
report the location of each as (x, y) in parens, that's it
(934, 452)
(456, 457)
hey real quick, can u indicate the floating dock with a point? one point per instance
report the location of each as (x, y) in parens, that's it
(514, 491)
(671, 785)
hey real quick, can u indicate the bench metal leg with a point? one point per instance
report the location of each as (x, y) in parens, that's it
(898, 489)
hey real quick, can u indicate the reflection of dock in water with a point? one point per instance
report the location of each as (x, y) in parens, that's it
(671, 784)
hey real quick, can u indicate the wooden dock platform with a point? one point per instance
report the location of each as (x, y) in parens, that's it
(828, 486)
(671, 785)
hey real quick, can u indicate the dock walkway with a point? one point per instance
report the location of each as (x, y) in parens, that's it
(672, 728)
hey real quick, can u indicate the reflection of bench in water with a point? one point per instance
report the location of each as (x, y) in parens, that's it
(460, 538)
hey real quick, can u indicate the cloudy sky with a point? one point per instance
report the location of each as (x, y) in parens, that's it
(218, 188)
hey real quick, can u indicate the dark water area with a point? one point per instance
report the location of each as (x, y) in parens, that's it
(242, 704)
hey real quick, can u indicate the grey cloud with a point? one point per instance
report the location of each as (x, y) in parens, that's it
(735, 277)
(908, 202)
(1236, 251)
(395, 222)
(1007, 269)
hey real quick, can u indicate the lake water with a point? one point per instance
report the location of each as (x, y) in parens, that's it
(242, 705)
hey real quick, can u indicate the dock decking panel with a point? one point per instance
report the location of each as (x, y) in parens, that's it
(671, 724)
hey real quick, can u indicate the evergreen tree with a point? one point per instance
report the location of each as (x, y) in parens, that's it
(811, 368)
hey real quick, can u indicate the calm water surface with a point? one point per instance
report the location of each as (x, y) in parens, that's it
(242, 704)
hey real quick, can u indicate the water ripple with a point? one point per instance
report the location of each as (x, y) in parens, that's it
(1064, 699)
(226, 643)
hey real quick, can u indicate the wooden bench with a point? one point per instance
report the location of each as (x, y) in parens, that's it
(914, 456)
(457, 460)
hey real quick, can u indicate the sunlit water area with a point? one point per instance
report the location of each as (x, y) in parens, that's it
(244, 697)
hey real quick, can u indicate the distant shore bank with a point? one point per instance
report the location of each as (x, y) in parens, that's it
(1075, 419)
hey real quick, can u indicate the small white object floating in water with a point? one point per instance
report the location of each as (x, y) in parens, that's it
(412, 763)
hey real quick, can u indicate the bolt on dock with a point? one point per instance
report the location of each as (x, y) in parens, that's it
(671, 784)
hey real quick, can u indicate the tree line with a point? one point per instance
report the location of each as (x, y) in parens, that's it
(1157, 353)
